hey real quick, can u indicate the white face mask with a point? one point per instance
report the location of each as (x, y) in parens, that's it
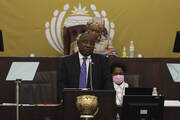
(118, 79)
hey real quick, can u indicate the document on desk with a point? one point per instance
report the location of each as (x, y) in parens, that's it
(48, 104)
(171, 103)
(174, 69)
(14, 104)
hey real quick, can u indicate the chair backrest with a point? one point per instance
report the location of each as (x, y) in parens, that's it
(70, 34)
(132, 80)
(41, 90)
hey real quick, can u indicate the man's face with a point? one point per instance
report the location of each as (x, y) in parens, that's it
(86, 45)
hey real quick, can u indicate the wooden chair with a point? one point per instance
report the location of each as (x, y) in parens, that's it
(70, 34)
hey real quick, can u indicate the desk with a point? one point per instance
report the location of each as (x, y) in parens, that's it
(32, 112)
(56, 113)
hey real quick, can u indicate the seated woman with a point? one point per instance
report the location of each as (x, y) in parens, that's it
(118, 71)
(103, 44)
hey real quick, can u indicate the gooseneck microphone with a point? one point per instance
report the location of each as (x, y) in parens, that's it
(91, 76)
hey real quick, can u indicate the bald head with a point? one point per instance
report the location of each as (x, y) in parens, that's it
(86, 43)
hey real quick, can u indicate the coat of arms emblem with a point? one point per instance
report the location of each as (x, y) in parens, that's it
(79, 16)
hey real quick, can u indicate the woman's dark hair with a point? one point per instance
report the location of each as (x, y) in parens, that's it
(118, 64)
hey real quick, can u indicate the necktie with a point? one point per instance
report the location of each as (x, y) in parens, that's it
(82, 81)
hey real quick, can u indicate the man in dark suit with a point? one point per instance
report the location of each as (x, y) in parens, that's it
(98, 76)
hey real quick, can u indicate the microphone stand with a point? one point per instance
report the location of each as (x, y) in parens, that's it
(18, 81)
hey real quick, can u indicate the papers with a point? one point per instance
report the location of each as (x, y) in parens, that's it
(22, 70)
(14, 104)
(174, 69)
(171, 103)
(48, 104)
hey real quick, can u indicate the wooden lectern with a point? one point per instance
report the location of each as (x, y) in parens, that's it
(106, 102)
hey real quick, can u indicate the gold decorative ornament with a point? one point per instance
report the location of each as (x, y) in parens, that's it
(87, 106)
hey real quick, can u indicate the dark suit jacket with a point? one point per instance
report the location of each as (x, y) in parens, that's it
(70, 73)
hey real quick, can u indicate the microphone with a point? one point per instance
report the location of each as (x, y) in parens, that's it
(90, 61)
(91, 77)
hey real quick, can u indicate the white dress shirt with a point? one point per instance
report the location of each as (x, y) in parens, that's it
(120, 92)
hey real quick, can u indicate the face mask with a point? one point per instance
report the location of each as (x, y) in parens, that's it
(118, 79)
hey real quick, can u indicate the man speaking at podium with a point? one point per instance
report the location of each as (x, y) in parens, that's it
(84, 69)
